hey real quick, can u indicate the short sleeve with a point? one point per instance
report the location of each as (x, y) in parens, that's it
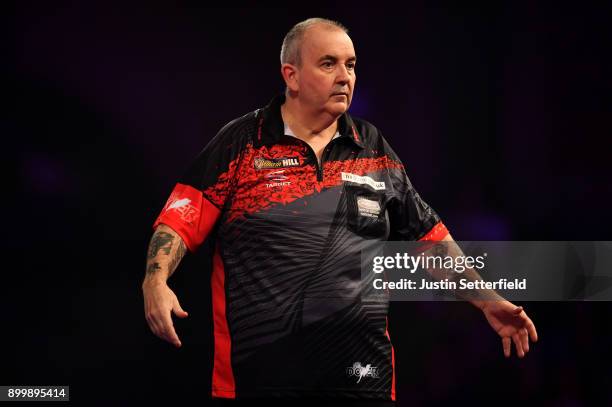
(199, 195)
(410, 217)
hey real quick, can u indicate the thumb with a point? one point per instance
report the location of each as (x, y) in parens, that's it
(178, 310)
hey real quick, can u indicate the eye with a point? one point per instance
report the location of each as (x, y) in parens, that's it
(350, 65)
(327, 64)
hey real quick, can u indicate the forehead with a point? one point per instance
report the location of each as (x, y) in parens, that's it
(322, 40)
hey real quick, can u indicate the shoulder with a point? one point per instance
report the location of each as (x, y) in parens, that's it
(366, 130)
(232, 138)
(371, 136)
(239, 129)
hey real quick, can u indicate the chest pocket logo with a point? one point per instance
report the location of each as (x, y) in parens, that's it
(366, 211)
(368, 207)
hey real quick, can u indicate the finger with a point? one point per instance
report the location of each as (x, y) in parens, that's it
(171, 336)
(532, 331)
(161, 333)
(507, 346)
(525, 339)
(169, 332)
(517, 311)
(152, 320)
(178, 310)
(517, 343)
(157, 325)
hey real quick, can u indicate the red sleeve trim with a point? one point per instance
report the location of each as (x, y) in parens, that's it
(189, 214)
(437, 233)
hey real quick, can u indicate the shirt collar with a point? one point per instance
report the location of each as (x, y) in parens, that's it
(290, 132)
(271, 126)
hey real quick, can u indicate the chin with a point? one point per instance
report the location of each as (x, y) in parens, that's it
(338, 108)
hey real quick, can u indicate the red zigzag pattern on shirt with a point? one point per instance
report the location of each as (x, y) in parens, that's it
(252, 195)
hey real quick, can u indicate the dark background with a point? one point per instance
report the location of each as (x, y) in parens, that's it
(501, 114)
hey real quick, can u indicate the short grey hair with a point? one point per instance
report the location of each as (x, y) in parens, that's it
(291, 50)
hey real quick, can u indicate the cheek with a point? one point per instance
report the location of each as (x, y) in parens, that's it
(321, 87)
(315, 84)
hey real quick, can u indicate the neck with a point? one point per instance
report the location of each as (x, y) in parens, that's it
(307, 123)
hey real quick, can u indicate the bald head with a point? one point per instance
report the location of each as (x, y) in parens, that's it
(291, 50)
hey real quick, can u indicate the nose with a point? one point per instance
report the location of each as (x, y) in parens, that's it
(344, 76)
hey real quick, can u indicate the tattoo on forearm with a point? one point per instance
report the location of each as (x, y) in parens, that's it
(160, 241)
(164, 243)
(178, 255)
(440, 249)
(153, 268)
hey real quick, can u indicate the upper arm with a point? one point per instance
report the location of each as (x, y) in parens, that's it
(411, 218)
(197, 199)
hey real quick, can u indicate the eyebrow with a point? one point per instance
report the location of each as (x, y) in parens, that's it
(333, 58)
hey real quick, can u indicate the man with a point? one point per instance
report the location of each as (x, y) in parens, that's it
(291, 193)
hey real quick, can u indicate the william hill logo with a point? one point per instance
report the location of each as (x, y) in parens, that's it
(261, 163)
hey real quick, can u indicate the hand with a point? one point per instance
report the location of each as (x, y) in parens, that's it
(511, 323)
(160, 301)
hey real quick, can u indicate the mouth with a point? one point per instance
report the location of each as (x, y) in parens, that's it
(340, 94)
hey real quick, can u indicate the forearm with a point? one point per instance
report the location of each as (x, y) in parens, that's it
(478, 297)
(166, 249)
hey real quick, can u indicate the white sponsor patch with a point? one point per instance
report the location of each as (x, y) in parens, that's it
(368, 207)
(183, 207)
(179, 203)
(363, 179)
(360, 371)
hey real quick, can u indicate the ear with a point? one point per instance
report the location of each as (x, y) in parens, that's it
(291, 76)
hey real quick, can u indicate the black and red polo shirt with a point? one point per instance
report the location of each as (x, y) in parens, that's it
(288, 319)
